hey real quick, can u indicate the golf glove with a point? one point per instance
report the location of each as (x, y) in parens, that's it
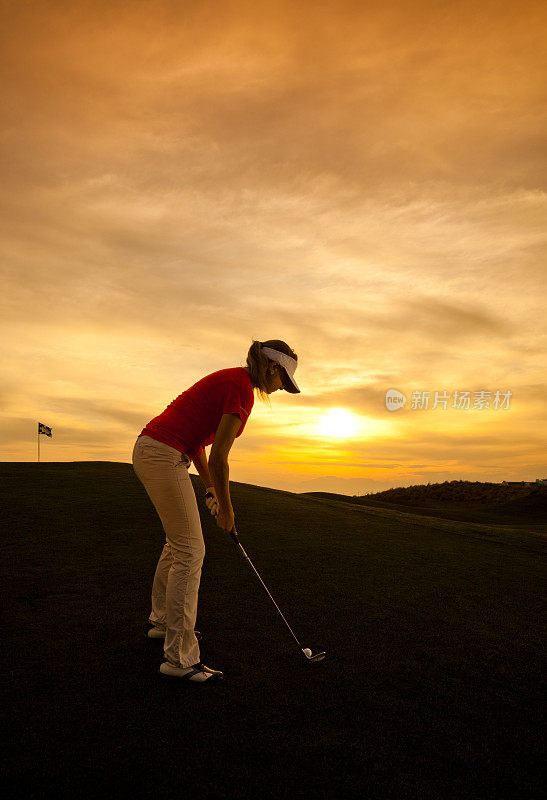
(211, 500)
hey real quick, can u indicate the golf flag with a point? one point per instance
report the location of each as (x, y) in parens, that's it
(44, 429)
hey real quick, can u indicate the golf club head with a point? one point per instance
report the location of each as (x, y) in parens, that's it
(316, 657)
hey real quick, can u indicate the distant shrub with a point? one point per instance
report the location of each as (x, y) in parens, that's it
(457, 491)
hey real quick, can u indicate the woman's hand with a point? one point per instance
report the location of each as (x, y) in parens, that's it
(211, 500)
(225, 520)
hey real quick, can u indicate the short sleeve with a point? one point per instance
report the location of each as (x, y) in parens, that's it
(235, 402)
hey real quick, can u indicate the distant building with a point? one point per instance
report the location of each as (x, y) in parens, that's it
(541, 480)
(522, 483)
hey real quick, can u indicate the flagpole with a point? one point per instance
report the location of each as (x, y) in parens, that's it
(38, 443)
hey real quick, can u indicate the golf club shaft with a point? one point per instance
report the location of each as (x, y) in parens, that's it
(235, 537)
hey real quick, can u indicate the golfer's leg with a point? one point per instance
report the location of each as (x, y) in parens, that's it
(183, 530)
(152, 462)
(159, 587)
(165, 477)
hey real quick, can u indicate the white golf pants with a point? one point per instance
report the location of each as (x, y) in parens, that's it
(163, 471)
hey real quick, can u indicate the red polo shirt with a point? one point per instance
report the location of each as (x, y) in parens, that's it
(190, 422)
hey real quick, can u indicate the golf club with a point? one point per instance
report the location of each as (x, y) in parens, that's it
(305, 650)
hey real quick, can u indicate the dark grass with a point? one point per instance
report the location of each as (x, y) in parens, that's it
(486, 503)
(432, 686)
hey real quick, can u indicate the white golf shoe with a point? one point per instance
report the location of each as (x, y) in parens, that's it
(198, 673)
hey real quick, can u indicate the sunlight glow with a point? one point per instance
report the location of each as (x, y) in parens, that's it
(339, 423)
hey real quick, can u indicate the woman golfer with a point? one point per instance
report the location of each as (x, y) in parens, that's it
(213, 410)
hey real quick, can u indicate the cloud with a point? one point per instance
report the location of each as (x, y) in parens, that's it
(94, 411)
(448, 318)
(365, 181)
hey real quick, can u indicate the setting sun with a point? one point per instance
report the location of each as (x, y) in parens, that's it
(338, 423)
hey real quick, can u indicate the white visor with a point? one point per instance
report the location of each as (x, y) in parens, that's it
(288, 363)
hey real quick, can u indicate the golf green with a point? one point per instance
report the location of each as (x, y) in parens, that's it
(433, 628)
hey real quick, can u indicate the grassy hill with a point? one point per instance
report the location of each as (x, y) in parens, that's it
(431, 688)
(471, 501)
(463, 492)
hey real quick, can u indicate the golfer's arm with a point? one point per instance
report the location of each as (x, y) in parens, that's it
(200, 463)
(220, 473)
(218, 460)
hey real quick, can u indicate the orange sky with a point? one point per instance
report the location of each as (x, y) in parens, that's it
(363, 180)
